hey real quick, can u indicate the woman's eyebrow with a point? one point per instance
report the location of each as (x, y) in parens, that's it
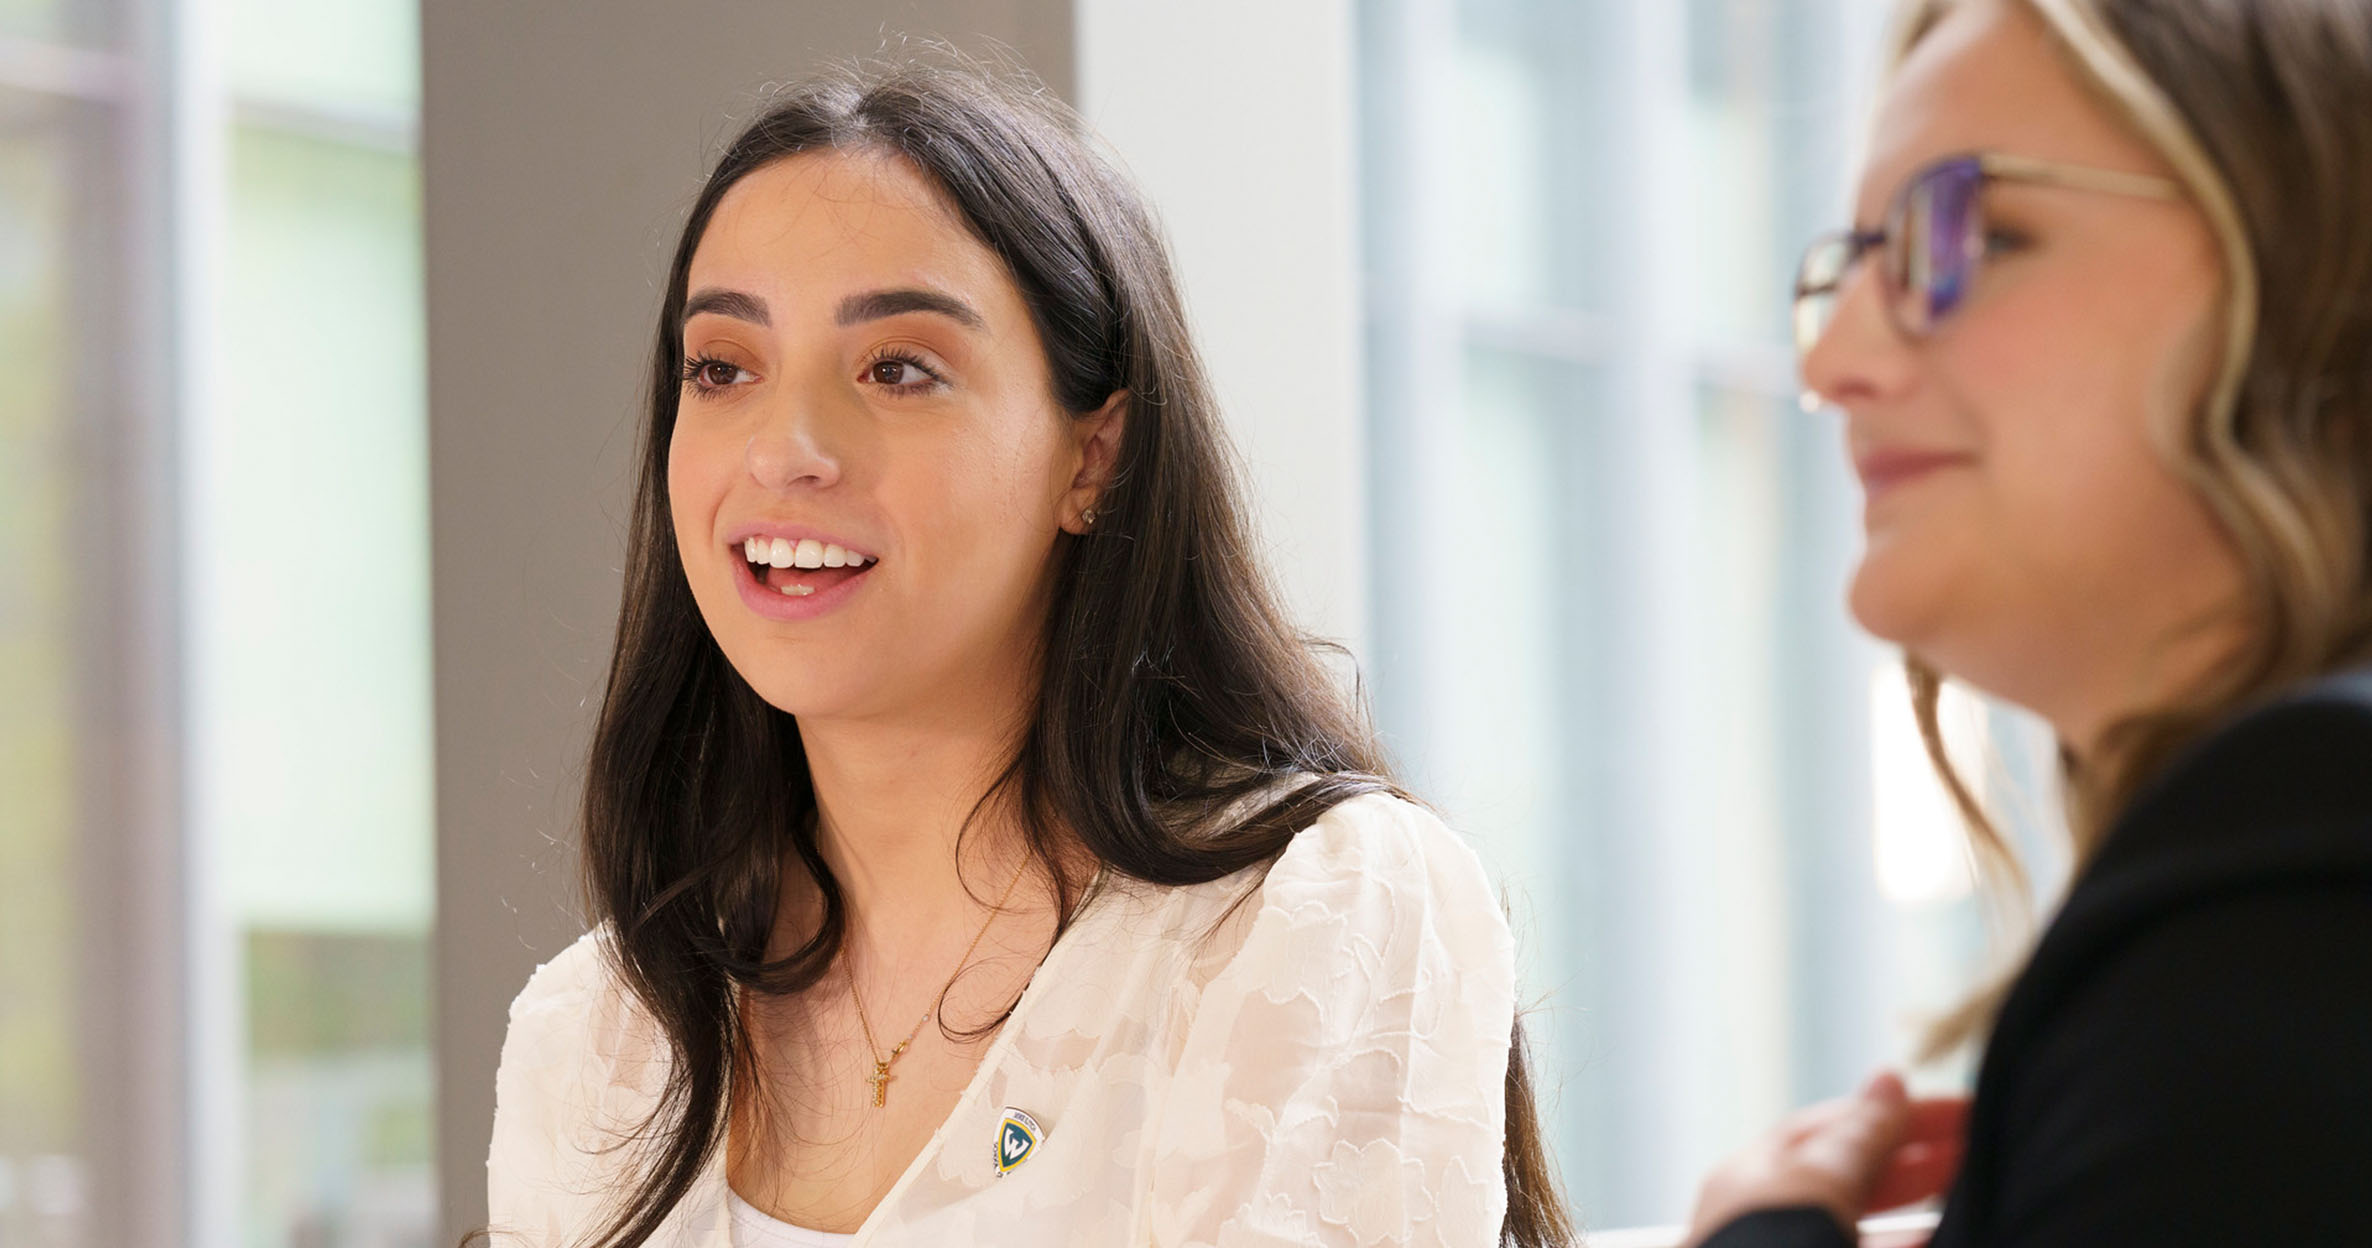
(873, 305)
(730, 303)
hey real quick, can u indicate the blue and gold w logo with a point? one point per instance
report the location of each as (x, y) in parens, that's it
(1017, 1138)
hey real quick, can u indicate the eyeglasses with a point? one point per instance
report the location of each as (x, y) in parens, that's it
(1933, 239)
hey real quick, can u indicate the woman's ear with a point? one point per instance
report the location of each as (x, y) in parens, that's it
(1098, 434)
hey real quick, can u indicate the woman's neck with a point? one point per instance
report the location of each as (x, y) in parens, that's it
(2133, 679)
(897, 801)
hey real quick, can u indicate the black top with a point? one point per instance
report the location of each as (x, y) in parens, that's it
(2188, 1058)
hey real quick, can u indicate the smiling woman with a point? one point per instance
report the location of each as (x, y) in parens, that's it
(2100, 348)
(980, 857)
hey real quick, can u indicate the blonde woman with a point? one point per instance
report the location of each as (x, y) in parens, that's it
(2103, 346)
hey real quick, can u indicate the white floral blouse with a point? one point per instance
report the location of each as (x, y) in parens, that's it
(1324, 1067)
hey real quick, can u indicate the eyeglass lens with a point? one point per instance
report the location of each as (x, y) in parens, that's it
(1932, 241)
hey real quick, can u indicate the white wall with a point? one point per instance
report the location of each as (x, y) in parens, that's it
(1237, 118)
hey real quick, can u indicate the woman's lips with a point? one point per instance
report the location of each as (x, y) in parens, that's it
(811, 592)
(1883, 471)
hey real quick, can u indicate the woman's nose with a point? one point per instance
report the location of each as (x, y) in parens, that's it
(794, 449)
(1860, 355)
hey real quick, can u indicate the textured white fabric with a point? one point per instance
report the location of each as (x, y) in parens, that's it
(1322, 1065)
(753, 1228)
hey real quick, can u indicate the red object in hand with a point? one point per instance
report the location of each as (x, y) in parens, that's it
(1927, 1156)
(1876, 1149)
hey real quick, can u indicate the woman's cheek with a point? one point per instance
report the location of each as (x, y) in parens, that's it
(697, 482)
(682, 501)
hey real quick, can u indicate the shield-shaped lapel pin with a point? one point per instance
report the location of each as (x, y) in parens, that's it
(1017, 1138)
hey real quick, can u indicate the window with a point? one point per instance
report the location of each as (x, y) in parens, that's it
(1610, 556)
(215, 805)
(48, 149)
(59, 200)
(308, 626)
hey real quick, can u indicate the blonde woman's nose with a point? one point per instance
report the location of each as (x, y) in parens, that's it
(1859, 355)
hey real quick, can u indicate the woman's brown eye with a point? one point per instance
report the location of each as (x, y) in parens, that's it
(890, 372)
(718, 373)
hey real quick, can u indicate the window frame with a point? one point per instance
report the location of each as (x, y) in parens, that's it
(159, 1022)
(1657, 362)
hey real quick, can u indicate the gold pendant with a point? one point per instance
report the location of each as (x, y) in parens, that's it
(880, 1080)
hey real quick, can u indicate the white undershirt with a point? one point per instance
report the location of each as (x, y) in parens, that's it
(753, 1229)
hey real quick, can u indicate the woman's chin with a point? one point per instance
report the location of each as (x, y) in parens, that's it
(815, 694)
(1898, 599)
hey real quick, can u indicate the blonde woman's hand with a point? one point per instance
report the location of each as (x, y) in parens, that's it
(1876, 1149)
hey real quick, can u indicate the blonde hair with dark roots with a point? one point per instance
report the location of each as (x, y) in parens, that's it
(2263, 110)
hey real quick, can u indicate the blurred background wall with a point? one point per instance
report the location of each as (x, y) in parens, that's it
(323, 328)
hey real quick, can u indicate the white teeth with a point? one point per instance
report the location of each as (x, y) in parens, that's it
(807, 552)
(797, 591)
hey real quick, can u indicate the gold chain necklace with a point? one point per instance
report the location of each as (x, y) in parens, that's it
(880, 1077)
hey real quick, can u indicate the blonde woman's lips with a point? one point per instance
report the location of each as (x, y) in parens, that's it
(1887, 469)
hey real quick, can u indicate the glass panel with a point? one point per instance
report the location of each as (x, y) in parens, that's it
(42, 1183)
(1509, 651)
(31, 19)
(310, 684)
(55, 21)
(339, 1131)
(1918, 846)
(1778, 522)
(1726, 890)
(1499, 737)
(1646, 701)
(1508, 755)
(1935, 938)
(1773, 92)
(1737, 715)
(342, 58)
(315, 585)
(1534, 214)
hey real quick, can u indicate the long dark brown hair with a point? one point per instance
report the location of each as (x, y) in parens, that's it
(1172, 691)
(2263, 109)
